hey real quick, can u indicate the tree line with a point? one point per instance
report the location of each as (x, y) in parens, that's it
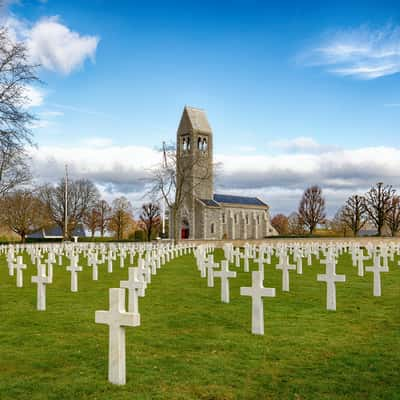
(378, 209)
(28, 210)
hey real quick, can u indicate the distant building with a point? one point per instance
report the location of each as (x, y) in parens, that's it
(205, 215)
(55, 232)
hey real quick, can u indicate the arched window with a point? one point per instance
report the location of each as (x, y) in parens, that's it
(223, 218)
(199, 144)
(204, 146)
(258, 220)
(188, 144)
(247, 219)
(235, 219)
(184, 144)
(212, 228)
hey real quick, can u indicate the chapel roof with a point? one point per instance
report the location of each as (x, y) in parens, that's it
(55, 232)
(209, 202)
(198, 119)
(242, 200)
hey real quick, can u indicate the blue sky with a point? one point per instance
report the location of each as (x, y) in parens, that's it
(286, 87)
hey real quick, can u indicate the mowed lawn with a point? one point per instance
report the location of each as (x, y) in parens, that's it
(192, 346)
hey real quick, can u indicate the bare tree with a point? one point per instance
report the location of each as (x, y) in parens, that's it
(354, 213)
(14, 169)
(150, 218)
(393, 215)
(312, 208)
(82, 195)
(378, 204)
(337, 224)
(22, 212)
(16, 76)
(121, 217)
(280, 223)
(295, 224)
(91, 220)
(104, 215)
(175, 182)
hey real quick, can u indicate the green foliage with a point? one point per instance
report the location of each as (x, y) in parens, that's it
(191, 346)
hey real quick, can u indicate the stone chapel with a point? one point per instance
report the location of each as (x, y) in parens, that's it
(204, 214)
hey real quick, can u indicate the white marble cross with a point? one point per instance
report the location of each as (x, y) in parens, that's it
(257, 291)
(246, 256)
(209, 266)
(74, 268)
(95, 267)
(236, 253)
(285, 267)
(41, 280)
(110, 258)
(377, 269)
(117, 319)
(135, 288)
(224, 274)
(331, 278)
(19, 266)
(49, 263)
(360, 258)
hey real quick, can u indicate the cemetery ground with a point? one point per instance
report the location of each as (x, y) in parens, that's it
(192, 346)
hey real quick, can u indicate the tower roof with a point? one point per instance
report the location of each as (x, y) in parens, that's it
(198, 119)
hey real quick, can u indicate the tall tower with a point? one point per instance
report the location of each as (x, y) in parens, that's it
(194, 167)
(194, 154)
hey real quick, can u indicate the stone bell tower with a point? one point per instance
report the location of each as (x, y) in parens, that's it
(194, 163)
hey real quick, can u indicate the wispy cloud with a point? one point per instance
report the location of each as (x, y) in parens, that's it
(363, 52)
(81, 110)
(392, 105)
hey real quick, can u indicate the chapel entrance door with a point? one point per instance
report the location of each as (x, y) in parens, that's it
(185, 230)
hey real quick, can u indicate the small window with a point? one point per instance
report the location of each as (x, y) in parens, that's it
(247, 219)
(223, 218)
(235, 219)
(204, 146)
(185, 144)
(199, 144)
(258, 220)
(212, 228)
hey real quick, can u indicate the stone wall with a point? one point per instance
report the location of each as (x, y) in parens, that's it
(241, 242)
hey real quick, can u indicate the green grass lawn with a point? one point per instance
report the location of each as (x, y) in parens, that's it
(191, 346)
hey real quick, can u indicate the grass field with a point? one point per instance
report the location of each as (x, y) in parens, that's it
(191, 346)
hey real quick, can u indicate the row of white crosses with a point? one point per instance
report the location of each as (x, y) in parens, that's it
(117, 318)
(330, 252)
(154, 256)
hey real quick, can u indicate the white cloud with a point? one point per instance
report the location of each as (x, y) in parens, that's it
(301, 144)
(97, 142)
(52, 44)
(278, 179)
(57, 48)
(51, 114)
(363, 52)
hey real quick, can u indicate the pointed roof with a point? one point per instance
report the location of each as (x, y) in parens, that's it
(198, 119)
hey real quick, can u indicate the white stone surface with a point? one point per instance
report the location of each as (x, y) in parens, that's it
(41, 280)
(225, 275)
(117, 319)
(257, 291)
(376, 269)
